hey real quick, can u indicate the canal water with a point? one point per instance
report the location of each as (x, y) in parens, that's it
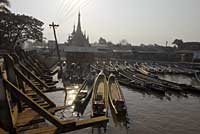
(181, 79)
(147, 113)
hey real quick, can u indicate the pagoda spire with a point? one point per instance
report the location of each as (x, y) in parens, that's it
(85, 33)
(79, 23)
(87, 38)
(74, 30)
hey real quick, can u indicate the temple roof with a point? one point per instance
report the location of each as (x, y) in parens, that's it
(77, 37)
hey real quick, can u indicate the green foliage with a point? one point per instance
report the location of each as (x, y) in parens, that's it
(15, 28)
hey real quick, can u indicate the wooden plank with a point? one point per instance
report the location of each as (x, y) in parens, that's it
(51, 110)
(27, 113)
(54, 90)
(3, 132)
(34, 105)
(22, 76)
(55, 109)
(29, 121)
(41, 130)
(43, 103)
(80, 124)
(39, 101)
(46, 107)
(7, 121)
(51, 84)
(92, 121)
(48, 129)
(31, 94)
(37, 79)
(35, 98)
(30, 116)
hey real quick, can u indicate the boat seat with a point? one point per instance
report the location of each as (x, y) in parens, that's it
(99, 103)
(99, 97)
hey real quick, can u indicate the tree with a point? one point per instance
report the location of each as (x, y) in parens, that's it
(124, 42)
(142, 45)
(4, 4)
(102, 41)
(109, 43)
(15, 29)
(178, 42)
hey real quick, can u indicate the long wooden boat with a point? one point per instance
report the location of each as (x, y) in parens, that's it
(84, 94)
(100, 96)
(171, 86)
(142, 83)
(116, 98)
(153, 82)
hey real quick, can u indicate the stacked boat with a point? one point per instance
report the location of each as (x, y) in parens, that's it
(103, 93)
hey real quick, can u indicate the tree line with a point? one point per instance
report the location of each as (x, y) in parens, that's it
(15, 29)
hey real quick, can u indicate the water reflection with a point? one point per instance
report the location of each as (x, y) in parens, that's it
(181, 79)
(149, 113)
(71, 94)
(120, 120)
(158, 95)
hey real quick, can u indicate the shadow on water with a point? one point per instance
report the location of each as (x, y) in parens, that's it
(181, 79)
(148, 113)
(99, 129)
(158, 95)
(120, 120)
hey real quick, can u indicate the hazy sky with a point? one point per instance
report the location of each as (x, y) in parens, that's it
(138, 21)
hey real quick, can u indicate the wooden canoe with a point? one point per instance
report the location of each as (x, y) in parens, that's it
(83, 97)
(116, 98)
(100, 96)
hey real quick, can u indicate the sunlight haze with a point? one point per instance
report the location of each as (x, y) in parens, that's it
(137, 21)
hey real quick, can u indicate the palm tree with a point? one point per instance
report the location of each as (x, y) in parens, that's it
(4, 4)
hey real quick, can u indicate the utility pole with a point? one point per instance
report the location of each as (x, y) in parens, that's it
(57, 48)
(166, 43)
